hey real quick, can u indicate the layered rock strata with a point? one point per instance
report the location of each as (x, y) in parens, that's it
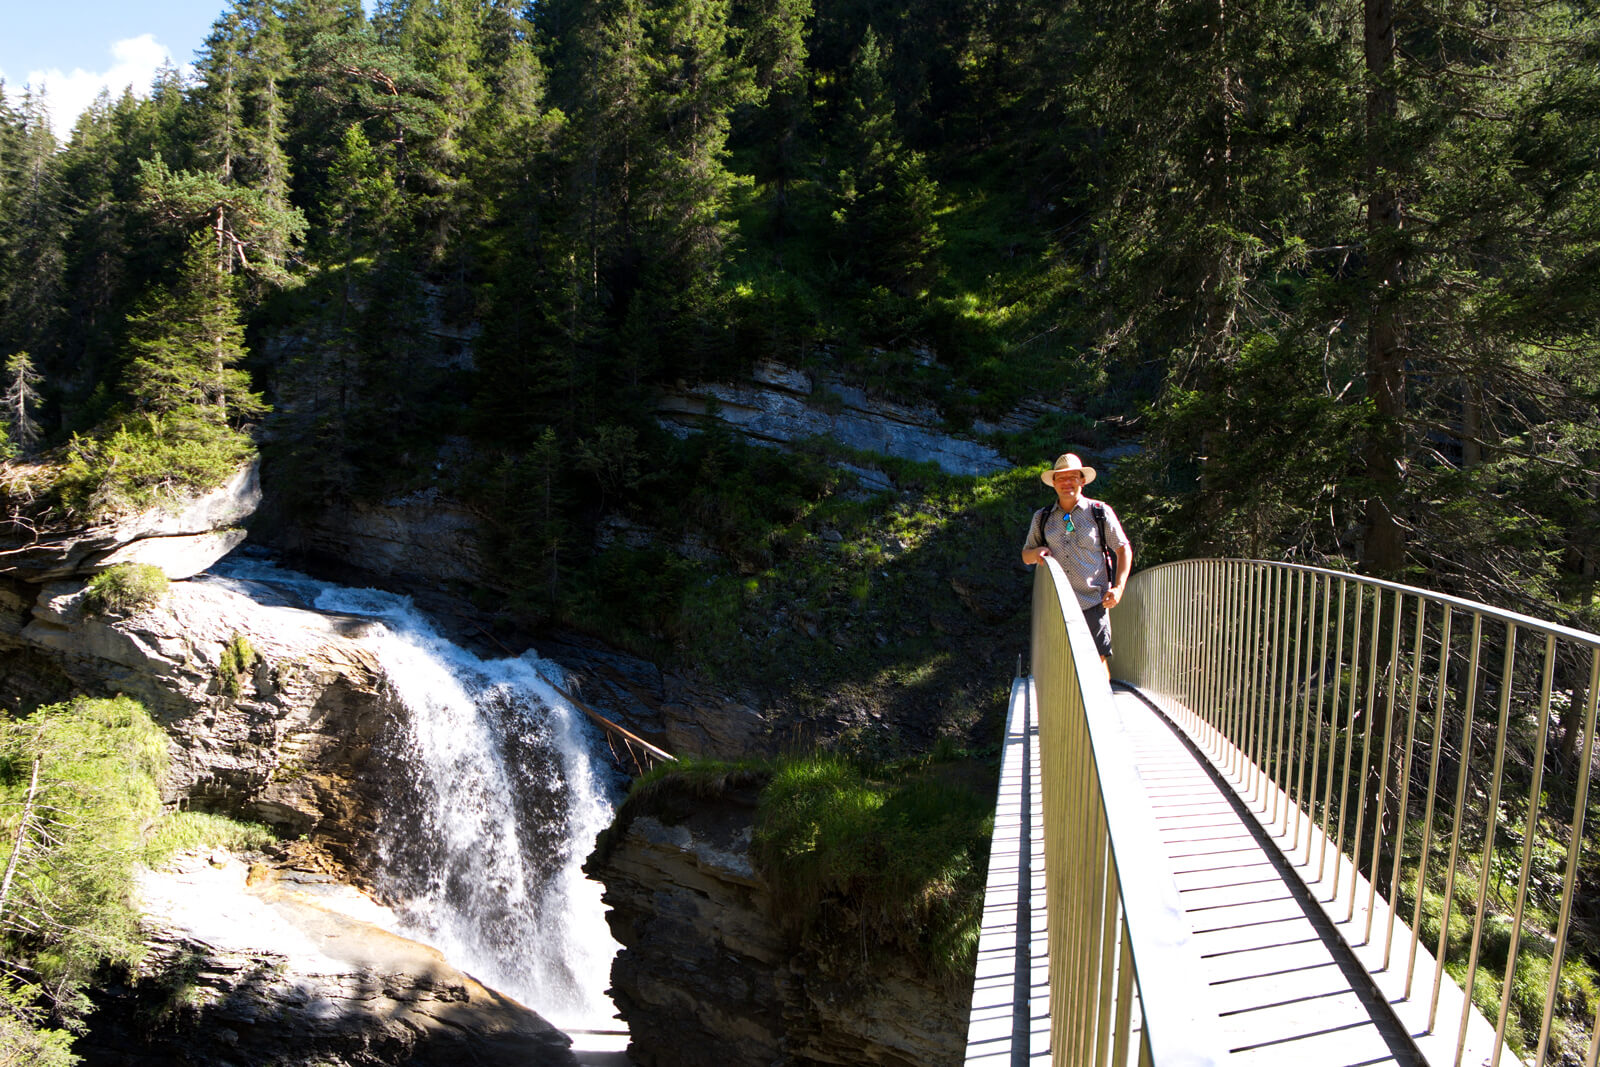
(707, 977)
(183, 538)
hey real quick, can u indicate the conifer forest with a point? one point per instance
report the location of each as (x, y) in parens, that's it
(1333, 268)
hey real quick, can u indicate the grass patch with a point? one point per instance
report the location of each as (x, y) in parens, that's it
(194, 831)
(125, 589)
(893, 855)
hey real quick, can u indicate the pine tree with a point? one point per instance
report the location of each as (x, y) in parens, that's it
(22, 401)
(187, 343)
(883, 193)
(32, 234)
(243, 117)
(248, 226)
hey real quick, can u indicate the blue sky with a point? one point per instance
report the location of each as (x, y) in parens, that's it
(75, 46)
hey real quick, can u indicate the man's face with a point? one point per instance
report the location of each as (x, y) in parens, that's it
(1068, 483)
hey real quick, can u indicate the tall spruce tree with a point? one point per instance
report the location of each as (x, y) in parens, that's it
(187, 342)
(33, 227)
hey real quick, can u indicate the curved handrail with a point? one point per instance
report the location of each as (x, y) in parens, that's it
(1290, 677)
(1114, 915)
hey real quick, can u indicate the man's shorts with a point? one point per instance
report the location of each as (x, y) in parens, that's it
(1099, 621)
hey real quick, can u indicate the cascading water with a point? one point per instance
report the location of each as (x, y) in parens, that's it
(480, 851)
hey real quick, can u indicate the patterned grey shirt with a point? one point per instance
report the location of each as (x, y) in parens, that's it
(1078, 550)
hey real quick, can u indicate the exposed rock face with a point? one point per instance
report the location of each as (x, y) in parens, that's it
(182, 539)
(422, 536)
(288, 740)
(780, 404)
(667, 710)
(706, 977)
(284, 742)
(283, 972)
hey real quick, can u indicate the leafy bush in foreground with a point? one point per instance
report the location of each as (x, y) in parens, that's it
(78, 782)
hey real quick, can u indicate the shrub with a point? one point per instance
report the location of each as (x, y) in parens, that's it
(80, 780)
(143, 462)
(238, 658)
(125, 589)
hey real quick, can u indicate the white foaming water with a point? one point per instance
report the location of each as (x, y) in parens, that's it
(495, 800)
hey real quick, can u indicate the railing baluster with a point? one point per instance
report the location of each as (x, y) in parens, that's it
(1403, 803)
(1333, 724)
(1531, 832)
(1383, 766)
(1316, 724)
(1463, 769)
(1349, 735)
(1440, 704)
(1119, 1049)
(1491, 818)
(1574, 849)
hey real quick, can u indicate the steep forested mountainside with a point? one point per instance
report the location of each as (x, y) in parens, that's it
(1335, 266)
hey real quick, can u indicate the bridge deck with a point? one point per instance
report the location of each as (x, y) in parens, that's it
(1284, 988)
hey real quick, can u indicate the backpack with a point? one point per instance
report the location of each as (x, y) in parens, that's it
(1098, 510)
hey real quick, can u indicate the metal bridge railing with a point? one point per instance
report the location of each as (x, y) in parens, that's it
(1121, 963)
(1424, 761)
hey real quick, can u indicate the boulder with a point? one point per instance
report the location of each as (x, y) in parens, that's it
(191, 534)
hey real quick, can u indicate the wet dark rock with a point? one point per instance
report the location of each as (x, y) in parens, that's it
(269, 971)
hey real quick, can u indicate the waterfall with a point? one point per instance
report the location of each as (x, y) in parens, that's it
(496, 797)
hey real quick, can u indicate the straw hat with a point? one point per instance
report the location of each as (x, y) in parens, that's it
(1067, 461)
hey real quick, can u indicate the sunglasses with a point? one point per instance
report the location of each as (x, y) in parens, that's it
(1067, 519)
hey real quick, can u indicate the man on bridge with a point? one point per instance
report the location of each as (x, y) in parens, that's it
(1085, 538)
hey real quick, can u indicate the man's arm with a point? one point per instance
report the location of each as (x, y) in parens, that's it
(1034, 549)
(1124, 553)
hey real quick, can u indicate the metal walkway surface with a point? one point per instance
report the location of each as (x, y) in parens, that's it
(1281, 984)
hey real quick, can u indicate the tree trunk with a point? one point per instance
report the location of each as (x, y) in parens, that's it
(22, 835)
(1384, 552)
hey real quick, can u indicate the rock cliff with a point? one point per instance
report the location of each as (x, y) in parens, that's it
(183, 538)
(707, 976)
(273, 711)
(284, 741)
(779, 404)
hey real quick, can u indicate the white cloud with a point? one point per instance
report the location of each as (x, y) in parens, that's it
(136, 60)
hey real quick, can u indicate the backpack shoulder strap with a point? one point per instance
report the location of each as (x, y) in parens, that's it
(1040, 517)
(1099, 511)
